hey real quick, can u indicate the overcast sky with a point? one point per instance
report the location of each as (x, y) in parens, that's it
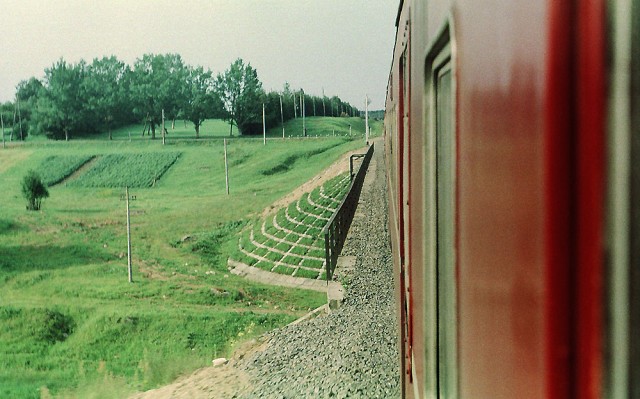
(343, 46)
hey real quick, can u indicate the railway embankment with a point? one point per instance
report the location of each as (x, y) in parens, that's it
(351, 352)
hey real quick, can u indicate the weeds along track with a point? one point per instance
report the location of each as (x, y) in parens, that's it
(290, 241)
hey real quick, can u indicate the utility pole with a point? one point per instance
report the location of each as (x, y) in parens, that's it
(301, 110)
(281, 116)
(295, 109)
(2, 123)
(126, 199)
(264, 127)
(19, 118)
(226, 167)
(366, 118)
(324, 110)
(163, 129)
(304, 126)
(15, 114)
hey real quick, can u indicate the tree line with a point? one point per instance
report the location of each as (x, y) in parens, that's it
(90, 98)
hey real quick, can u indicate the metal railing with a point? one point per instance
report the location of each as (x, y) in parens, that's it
(336, 229)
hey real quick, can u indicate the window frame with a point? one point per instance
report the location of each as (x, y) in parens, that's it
(440, 60)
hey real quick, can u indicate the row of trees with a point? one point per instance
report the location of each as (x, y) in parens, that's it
(84, 98)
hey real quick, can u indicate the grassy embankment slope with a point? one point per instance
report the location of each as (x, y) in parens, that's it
(70, 321)
(210, 129)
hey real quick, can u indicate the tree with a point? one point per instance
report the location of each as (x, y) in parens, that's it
(27, 94)
(60, 109)
(241, 93)
(272, 108)
(7, 111)
(288, 102)
(158, 83)
(106, 91)
(202, 102)
(33, 190)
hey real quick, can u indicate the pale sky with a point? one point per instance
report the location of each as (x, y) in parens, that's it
(344, 46)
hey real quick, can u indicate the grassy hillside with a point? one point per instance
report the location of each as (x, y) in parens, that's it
(320, 126)
(215, 128)
(181, 130)
(71, 324)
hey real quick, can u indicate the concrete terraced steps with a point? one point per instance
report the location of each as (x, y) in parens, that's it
(290, 242)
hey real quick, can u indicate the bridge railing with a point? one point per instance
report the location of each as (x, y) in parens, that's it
(336, 229)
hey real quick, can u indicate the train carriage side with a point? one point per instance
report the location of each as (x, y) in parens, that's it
(497, 145)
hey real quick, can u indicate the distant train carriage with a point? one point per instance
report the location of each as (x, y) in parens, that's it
(512, 136)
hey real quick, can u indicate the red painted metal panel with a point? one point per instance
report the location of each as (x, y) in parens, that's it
(590, 193)
(530, 139)
(500, 57)
(575, 192)
(559, 190)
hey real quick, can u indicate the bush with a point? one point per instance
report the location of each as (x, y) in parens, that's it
(33, 190)
(56, 327)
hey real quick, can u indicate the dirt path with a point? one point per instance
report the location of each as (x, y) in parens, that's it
(221, 382)
(87, 165)
(10, 158)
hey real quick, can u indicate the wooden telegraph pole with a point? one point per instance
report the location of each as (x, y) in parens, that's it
(366, 118)
(2, 123)
(163, 129)
(126, 199)
(226, 167)
(19, 118)
(264, 127)
(281, 116)
(295, 109)
(324, 110)
(301, 108)
(304, 126)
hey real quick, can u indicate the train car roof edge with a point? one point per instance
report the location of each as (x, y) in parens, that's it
(399, 12)
(393, 55)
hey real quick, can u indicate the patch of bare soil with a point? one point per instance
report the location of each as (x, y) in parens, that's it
(221, 382)
(87, 165)
(340, 166)
(147, 270)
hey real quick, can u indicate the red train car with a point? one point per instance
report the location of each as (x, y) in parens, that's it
(512, 139)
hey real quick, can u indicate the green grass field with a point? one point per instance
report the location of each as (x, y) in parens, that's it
(70, 323)
(215, 128)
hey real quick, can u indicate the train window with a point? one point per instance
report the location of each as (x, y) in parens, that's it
(445, 233)
(441, 211)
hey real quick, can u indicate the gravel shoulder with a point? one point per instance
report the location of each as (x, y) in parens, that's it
(353, 351)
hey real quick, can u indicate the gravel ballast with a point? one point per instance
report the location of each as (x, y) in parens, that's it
(352, 352)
